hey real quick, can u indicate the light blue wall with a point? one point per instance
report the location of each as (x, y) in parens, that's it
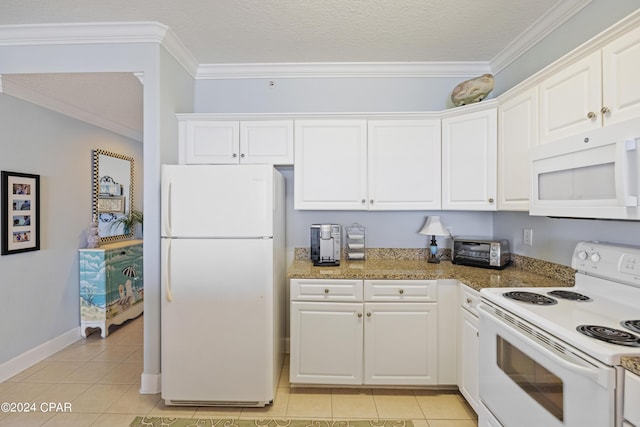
(45, 282)
(320, 95)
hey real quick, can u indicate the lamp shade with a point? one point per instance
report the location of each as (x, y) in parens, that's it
(433, 226)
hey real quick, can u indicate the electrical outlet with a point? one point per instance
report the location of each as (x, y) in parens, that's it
(527, 236)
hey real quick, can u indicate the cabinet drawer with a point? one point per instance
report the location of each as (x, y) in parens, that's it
(326, 290)
(469, 299)
(631, 398)
(400, 290)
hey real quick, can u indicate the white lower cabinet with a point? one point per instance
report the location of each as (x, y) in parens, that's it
(631, 399)
(388, 337)
(468, 368)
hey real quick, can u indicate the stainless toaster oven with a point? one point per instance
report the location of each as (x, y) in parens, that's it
(481, 252)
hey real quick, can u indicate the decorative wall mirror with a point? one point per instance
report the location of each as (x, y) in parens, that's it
(112, 194)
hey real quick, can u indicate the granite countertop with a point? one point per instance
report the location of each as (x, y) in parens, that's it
(404, 269)
(631, 364)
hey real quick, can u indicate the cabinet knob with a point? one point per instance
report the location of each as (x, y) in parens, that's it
(369, 314)
(591, 115)
(401, 291)
(604, 110)
(242, 155)
(234, 155)
(359, 315)
(326, 291)
(490, 199)
(371, 201)
(469, 300)
(363, 201)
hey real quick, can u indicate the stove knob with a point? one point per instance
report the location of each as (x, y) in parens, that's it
(582, 255)
(595, 257)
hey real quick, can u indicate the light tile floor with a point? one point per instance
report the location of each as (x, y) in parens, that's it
(99, 379)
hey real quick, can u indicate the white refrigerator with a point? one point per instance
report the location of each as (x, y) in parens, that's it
(223, 284)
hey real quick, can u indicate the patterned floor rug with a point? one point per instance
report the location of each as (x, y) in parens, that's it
(228, 422)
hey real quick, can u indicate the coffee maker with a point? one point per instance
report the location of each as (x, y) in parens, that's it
(325, 244)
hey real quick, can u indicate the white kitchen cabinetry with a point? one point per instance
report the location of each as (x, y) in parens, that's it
(326, 331)
(330, 164)
(468, 369)
(517, 132)
(367, 165)
(389, 337)
(597, 90)
(403, 164)
(631, 399)
(469, 160)
(232, 142)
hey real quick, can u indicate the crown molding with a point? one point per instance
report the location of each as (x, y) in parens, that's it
(99, 33)
(557, 16)
(27, 94)
(342, 69)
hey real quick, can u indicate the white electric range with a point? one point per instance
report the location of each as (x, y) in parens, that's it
(555, 353)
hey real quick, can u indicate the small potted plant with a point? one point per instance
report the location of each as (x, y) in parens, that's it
(129, 222)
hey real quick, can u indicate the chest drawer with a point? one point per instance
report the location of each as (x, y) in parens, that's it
(345, 290)
(469, 299)
(400, 290)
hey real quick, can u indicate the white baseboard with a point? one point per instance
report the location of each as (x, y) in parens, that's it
(150, 383)
(29, 358)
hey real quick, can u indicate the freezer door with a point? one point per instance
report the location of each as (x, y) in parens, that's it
(217, 321)
(217, 201)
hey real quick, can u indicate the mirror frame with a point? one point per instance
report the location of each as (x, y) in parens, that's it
(96, 192)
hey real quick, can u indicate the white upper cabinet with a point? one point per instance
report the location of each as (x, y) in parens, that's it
(517, 132)
(404, 164)
(232, 142)
(367, 165)
(469, 161)
(599, 89)
(330, 164)
(620, 73)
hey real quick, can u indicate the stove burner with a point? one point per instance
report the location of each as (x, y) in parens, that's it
(609, 335)
(632, 325)
(530, 297)
(570, 295)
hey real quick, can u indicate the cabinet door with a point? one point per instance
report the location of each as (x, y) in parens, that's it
(517, 133)
(469, 161)
(620, 71)
(404, 164)
(209, 142)
(266, 142)
(330, 164)
(400, 343)
(326, 343)
(468, 369)
(571, 99)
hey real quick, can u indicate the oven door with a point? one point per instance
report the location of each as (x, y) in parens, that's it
(529, 379)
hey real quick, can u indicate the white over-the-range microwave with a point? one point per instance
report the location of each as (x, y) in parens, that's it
(592, 175)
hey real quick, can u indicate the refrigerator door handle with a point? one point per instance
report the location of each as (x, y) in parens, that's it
(166, 270)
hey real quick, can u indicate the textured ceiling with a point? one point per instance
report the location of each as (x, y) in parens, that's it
(277, 31)
(274, 32)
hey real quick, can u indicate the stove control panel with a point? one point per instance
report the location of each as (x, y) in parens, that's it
(608, 260)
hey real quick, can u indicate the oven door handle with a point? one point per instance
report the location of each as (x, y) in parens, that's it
(603, 377)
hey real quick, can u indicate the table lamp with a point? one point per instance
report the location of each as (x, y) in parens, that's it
(434, 227)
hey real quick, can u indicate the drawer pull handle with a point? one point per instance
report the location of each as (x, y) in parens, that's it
(469, 300)
(401, 291)
(326, 291)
